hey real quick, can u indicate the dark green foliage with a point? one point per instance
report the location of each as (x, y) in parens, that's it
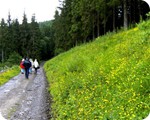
(3, 41)
(47, 41)
(34, 42)
(25, 39)
(14, 59)
(81, 21)
(16, 36)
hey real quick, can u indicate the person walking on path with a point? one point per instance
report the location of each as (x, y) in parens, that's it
(36, 65)
(27, 65)
(22, 67)
(31, 68)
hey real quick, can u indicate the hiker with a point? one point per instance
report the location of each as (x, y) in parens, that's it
(31, 68)
(36, 65)
(21, 66)
(27, 65)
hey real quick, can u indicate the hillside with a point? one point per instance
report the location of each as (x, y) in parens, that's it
(107, 79)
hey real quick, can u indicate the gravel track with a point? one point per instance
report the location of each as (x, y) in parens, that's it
(25, 99)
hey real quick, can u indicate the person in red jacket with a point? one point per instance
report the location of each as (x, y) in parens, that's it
(22, 66)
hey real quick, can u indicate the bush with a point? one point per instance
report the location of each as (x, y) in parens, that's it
(58, 51)
(14, 59)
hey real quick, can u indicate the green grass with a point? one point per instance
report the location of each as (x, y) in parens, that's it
(8, 74)
(107, 79)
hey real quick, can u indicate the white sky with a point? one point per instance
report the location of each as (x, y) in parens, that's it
(43, 9)
(148, 1)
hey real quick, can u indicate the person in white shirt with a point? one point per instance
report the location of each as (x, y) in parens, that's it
(36, 65)
(31, 68)
(1, 117)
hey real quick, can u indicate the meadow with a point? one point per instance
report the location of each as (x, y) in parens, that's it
(107, 79)
(9, 73)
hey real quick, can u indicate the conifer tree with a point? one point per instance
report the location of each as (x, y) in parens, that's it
(34, 42)
(10, 41)
(16, 36)
(3, 42)
(25, 37)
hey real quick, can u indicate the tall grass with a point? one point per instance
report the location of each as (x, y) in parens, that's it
(107, 79)
(8, 74)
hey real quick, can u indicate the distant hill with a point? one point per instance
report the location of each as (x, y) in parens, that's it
(107, 79)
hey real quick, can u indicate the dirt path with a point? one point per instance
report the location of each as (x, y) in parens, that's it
(25, 99)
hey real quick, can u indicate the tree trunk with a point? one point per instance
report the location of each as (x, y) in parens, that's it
(98, 26)
(139, 6)
(125, 14)
(114, 19)
(104, 17)
(93, 30)
(2, 55)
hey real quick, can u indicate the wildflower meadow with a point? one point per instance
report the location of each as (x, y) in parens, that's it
(107, 79)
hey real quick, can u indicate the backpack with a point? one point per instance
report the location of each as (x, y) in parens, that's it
(27, 64)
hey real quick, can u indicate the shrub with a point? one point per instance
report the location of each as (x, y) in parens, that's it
(14, 59)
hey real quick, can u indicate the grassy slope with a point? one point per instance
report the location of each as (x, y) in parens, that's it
(8, 74)
(106, 79)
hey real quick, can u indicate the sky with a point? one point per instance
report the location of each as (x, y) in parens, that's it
(43, 9)
(148, 1)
